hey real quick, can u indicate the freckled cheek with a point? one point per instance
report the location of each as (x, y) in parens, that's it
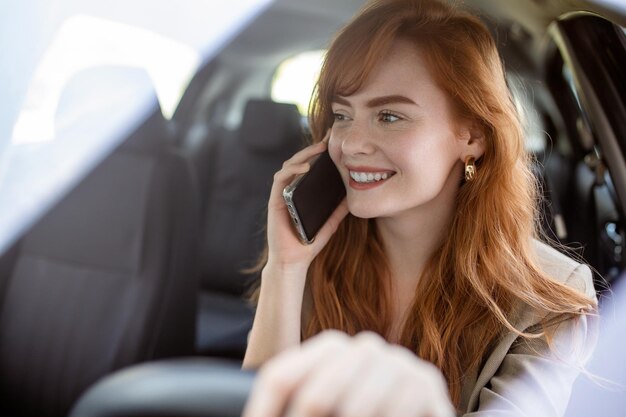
(421, 166)
(407, 156)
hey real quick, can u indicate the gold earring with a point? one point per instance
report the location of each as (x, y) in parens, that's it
(470, 168)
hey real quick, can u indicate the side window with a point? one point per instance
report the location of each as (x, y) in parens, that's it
(295, 79)
(587, 83)
(523, 98)
(94, 82)
(85, 42)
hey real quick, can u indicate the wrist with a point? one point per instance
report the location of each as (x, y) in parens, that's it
(284, 282)
(290, 271)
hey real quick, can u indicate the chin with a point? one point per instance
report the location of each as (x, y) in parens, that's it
(363, 211)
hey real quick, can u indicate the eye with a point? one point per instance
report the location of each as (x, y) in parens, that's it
(340, 117)
(388, 117)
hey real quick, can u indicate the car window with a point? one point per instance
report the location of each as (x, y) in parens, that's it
(98, 72)
(84, 42)
(589, 89)
(295, 79)
(524, 99)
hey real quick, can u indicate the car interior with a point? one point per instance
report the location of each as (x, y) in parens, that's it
(152, 255)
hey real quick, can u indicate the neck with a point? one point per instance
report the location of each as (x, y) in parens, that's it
(409, 243)
(409, 240)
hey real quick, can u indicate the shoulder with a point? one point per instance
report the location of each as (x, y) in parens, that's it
(510, 368)
(564, 269)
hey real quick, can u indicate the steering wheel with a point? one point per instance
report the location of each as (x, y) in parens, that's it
(187, 387)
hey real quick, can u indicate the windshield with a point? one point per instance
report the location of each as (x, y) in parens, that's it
(78, 75)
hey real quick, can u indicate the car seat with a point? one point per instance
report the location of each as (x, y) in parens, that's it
(105, 279)
(235, 217)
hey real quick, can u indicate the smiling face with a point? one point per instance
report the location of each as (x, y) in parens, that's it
(396, 141)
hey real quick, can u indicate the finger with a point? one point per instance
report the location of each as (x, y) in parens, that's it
(321, 392)
(300, 163)
(370, 395)
(287, 173)
(436, 397)
(331, 225)
(306, 154)
(412, 400)
(405, 401)
(422, 391)
(284, 177)
(283, 374)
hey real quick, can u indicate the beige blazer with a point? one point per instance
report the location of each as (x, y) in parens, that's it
(527, 379)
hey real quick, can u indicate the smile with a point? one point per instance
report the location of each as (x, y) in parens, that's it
(362, 179)
(368, 177)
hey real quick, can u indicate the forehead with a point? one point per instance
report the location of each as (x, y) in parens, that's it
(401, 70)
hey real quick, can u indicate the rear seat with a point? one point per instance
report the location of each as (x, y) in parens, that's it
(235, 217)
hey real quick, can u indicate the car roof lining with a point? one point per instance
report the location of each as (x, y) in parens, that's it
(262, 46)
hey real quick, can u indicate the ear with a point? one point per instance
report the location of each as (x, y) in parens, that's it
(472, 137)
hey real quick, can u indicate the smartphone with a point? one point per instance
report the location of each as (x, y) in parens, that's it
(312, 197)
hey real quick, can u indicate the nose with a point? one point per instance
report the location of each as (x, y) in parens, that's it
(355, 139)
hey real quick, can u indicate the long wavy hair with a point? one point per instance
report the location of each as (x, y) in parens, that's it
(466, 297)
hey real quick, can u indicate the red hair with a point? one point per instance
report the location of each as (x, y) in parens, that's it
(486, 265)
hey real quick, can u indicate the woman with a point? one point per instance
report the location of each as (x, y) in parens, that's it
(433, 251)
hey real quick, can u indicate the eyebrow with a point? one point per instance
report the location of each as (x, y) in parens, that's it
(377, 101)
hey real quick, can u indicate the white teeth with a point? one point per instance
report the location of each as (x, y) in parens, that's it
(366, 177)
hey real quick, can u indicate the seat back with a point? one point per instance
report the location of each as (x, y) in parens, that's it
(104, 280)
(234, 232)
(235, 217)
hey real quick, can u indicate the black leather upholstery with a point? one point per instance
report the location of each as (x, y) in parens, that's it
(106, 279)
(235, 217)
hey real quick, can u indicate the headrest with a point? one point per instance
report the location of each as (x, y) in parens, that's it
(268, 126)
(113, 101)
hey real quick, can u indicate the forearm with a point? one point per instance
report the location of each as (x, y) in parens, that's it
(278, 316)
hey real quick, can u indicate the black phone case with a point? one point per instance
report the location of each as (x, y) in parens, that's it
(313, 197)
